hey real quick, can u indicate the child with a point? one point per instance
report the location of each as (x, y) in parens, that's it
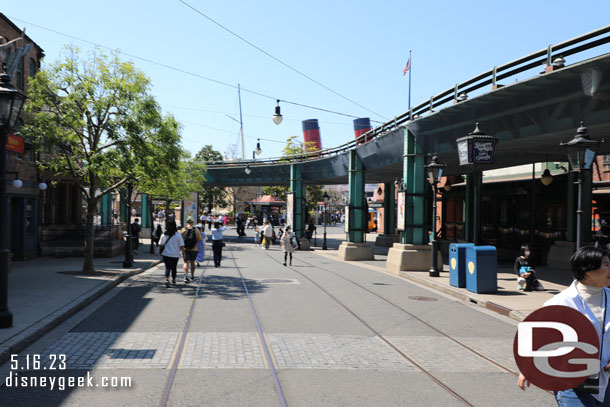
(527, 280)
(201, 245)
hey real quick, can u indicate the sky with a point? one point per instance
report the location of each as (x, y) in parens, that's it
(349, 55)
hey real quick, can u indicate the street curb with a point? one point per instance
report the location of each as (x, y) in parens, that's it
(454, 292)
(466, 296)
(29, 335)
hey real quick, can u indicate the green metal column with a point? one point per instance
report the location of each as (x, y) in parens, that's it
(145, 204)
(106, 209)
(389, 209)
(571, 209)
(414, 176)
(123, 207)
(357, 225)
(409, 140)
(297, 188)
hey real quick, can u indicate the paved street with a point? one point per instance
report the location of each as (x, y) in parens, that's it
(333, 332)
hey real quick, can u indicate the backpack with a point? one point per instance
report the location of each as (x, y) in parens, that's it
(190, 241)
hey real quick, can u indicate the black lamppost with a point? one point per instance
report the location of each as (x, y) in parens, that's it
(475, 149)
(326, 198)
(128, 261)
(11, 101)
(435, 172)
(581, 151)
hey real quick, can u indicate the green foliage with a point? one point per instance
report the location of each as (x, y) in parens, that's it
(209, 197)
(95, 122)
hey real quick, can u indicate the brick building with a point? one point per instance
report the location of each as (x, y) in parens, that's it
(21, 60)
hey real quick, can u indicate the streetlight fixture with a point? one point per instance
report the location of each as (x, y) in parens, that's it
(581, 151)
(435, 172)
(476, 149)
(258, 150)
(248, 170)
(325, 197)
(277, 116)
(11, 101)
(128, 261)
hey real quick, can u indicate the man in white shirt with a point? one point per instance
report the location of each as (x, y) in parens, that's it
(268, 233)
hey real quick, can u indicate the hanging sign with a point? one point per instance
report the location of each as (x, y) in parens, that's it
(15, 143)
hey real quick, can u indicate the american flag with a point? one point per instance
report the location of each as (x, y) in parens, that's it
(407, 67)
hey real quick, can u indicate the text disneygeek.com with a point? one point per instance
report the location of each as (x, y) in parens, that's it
(18, 380)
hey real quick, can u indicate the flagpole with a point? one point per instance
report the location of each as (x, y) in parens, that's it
(410, 69)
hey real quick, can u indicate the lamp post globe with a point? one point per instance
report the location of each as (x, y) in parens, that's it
(581, 151)
(11, 101)
(435, 172)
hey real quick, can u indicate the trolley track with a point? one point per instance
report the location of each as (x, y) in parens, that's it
(186, 329)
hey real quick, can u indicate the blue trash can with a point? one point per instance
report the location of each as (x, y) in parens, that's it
(457, 264)
(481, 269)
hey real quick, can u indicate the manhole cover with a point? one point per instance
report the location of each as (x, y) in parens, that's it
(276, 281)
(419, 298)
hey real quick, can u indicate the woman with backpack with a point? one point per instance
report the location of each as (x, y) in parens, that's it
(171, 247)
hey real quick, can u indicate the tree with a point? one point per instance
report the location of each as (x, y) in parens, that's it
(209, 196)
(95, 121)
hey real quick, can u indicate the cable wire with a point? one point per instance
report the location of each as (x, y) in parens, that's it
(278, 60)
(173, 68)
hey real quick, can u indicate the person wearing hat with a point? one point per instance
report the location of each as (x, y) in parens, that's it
(217, 242)
(191, 235)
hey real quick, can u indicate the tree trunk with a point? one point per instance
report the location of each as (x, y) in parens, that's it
(89, 236)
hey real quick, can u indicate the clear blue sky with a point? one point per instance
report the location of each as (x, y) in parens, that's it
(356, 48)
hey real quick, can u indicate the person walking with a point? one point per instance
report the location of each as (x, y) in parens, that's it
(588, 294)
(135, 233)
(267, 233)
(171, 246)
(217, 242)
(191, 236)
(201, 244)
(288, 243)
(156, 236)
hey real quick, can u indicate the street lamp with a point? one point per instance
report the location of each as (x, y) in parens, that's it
(326, 198)
(435, 172)
(11, 101)
(128, 261)
(277, 116)
(475, 149)
(581, 151)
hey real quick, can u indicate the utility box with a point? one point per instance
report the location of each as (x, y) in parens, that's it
(457, 264)
(481, 269)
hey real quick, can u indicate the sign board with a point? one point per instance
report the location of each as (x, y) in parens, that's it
(400, 205)
(190, 209)
(15, 143)
(290, 209)
(476, 149)
(483, 151)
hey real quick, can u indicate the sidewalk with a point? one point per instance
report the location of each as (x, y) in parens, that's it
(45, 291)
(508, 300)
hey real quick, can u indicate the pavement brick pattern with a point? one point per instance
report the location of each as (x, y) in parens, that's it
(85, 350)
(229, 350)
(243, 350)
(324, 351)
(441, 354)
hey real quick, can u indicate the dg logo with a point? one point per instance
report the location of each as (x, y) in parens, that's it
(556, 348)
